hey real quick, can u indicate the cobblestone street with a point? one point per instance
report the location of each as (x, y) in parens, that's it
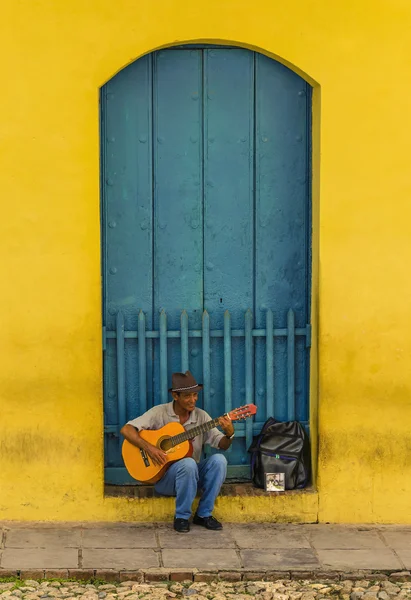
(274, 590)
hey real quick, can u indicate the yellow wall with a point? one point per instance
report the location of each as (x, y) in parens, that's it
(55, 56)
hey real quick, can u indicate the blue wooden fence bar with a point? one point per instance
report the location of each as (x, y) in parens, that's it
(121, 375)
(228, 405)
(206, 367)
(249, 375)
(184, 341)
(142, 371)
(206, 361)
(163, 357)
(214, 333)
(291, 364)
(269, 363)
(227, 362)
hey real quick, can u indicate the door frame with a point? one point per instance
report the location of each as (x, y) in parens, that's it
(313, 152)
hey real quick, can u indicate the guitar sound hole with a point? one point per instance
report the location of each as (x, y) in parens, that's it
(166, 444)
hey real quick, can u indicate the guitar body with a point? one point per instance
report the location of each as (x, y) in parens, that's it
(141, 467)
(139, 464)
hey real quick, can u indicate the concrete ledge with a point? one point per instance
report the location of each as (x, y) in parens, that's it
(237, 502)
(229, 489)
(152, 575)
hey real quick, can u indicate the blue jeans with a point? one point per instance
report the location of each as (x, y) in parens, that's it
(185, 477)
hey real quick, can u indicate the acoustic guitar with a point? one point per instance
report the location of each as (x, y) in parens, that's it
(174, 440)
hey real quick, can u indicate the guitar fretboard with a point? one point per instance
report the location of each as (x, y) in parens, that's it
(192, 433)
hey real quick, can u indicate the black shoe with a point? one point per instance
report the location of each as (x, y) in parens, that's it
(181, 525)
(207, 522)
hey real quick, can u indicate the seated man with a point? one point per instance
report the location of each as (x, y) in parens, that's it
(184, 476)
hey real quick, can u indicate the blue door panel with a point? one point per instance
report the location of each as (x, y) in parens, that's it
(206, 206)
(282, 219)
(282, 190)
(228, 211)
(178, 215)
(127, 233)
(282, 205)
(178, 246)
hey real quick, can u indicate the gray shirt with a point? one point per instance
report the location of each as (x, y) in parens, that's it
(160, 415)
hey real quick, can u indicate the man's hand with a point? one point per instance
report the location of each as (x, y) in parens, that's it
(226, 425)
(131, 434)
(158, 457)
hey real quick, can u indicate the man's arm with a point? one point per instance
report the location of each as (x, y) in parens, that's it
(224, 443)
(227, 426)
(132, 435)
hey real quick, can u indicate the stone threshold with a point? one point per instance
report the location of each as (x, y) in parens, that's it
(190, 575)
(245, 489)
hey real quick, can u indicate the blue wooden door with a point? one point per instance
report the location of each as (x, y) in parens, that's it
(206, 238)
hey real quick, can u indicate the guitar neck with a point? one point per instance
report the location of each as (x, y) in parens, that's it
(192, 433)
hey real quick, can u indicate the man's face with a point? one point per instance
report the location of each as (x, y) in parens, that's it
(187, 400)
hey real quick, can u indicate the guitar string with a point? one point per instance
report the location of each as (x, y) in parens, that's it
(192, 433)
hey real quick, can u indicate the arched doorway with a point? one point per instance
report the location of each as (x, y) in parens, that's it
(206, 228)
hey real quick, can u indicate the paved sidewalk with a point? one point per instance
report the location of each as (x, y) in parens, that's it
(152, 552)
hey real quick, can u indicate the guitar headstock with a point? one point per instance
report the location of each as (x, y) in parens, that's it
(243, 412)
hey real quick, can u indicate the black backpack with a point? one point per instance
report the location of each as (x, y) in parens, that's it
(281, 448)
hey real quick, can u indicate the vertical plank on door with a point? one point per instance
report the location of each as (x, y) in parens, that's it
(228, 210)
(127, 207)
(178, 219)
(282, 204)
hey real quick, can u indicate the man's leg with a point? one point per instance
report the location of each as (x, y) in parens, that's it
(180, 480)
(212, 473)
